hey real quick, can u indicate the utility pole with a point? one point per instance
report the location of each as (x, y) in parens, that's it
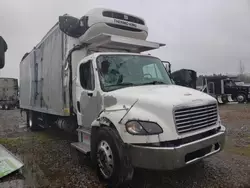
(242, 70)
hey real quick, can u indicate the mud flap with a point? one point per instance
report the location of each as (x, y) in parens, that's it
(8, 162)
(219, 99)
(230, 98)
(128, 168)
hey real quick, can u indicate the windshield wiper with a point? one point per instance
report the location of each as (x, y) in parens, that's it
(126, 84)
(122, 84)
(154, 83)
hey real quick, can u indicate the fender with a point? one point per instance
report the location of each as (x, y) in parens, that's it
(117, 119)
(112, 116)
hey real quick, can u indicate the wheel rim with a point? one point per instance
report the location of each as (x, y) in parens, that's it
(105, 159)
(240, 98)
(30, 120)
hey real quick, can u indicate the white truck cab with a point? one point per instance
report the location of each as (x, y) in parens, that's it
(147, 110)
(127, 111)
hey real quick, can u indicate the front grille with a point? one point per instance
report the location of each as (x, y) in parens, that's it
(194, 118)
(125, 17)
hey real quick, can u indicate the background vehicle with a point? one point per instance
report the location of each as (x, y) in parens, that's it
(225, 89)
(3, 49)
(89, 76)
(183, 77)
(8, 93)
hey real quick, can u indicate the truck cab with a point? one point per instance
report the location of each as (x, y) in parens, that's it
(225, 89)
(126, 93)
(240, 93)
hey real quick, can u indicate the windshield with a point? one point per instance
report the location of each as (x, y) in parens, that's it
(229, 83)
(118, 71)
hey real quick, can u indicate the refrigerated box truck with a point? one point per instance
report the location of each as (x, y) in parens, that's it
(8, 93)
(90, 76)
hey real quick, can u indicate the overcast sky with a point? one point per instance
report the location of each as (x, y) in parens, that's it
(210, 36)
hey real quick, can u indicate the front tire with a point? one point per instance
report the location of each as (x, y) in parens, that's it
(109, 158)
(241, 98)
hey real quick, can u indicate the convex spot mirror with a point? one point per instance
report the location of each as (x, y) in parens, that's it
(3, 49)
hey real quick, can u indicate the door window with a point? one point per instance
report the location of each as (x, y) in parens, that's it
(87, 76)
(229, 83)
(152, 71)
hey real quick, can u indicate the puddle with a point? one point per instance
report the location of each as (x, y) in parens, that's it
(33, 175)
(30, 175)
(13, 184)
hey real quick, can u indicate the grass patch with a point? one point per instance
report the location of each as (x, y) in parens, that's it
(12, 142)
(17, 141)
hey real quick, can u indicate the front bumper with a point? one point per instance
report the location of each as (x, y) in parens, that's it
(169, 158)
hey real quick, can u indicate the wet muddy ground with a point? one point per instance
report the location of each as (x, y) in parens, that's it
(48, 161)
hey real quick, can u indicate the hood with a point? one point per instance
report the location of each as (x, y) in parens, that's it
(155, 103)
(166, 95)
(242, 86)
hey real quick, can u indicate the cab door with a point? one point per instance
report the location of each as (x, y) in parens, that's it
(87, 102)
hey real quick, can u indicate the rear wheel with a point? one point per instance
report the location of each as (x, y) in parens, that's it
(32, 121)
(109, 158)
(241, 98)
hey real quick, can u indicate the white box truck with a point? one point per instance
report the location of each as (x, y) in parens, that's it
(90, 76)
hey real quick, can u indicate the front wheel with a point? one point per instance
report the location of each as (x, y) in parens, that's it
(241, 98)
(109, 158)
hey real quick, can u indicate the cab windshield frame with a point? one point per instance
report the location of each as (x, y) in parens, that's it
(140, 61)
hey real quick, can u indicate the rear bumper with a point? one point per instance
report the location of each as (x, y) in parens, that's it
(169, 158)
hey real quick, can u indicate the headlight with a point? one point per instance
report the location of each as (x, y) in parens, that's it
(143, 128)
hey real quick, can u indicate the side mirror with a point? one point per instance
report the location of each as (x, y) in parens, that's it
(3, 49)
(167, 66)
(71, 26)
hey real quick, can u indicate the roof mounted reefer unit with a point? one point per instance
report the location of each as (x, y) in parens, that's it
(101, 20)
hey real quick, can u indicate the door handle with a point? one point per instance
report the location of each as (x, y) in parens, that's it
(90, 94)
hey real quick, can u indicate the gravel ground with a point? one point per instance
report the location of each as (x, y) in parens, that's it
(49, 163)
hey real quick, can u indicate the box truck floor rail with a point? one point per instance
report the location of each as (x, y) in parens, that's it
(89, 76)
